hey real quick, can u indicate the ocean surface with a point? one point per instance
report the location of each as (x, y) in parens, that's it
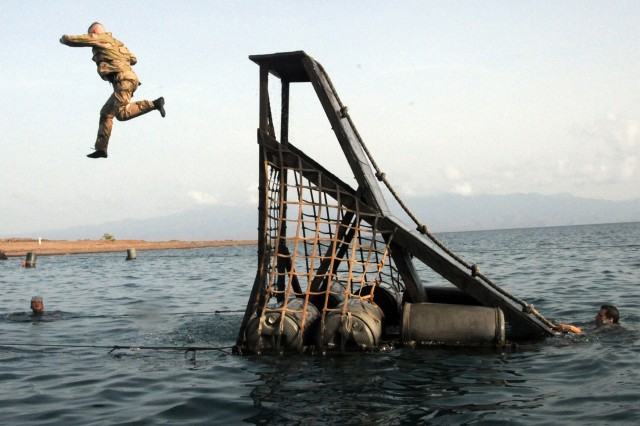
(62, 369)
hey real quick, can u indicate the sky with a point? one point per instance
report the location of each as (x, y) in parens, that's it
(462, 97)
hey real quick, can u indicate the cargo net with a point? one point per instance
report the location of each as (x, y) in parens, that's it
(330, 282)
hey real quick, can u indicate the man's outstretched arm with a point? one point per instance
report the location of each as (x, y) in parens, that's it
(83, 40)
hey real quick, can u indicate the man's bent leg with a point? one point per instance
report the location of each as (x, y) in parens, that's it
(125, 109)
(105, 125)
(134, 110)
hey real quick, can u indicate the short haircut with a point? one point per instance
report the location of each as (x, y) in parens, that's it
(93, 25)
(612, 312)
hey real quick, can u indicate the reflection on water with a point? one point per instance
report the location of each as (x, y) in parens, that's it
(60, 368)
(441, 386)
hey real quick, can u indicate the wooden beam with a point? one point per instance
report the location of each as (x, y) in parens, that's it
(347, 137)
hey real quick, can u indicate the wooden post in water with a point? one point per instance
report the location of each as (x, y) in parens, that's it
(131, 254)
(30, 261)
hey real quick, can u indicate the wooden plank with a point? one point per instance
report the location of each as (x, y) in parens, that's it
(264, 99)
(412, 282)
(347, 138)
(257, 291)
(287, 66)
(284, 115)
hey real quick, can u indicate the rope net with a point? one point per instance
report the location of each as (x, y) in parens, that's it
(325, 256)
(332, 249)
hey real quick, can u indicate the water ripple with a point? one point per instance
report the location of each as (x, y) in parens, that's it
(169, 298)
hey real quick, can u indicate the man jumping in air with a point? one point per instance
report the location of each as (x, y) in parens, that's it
(114, 63)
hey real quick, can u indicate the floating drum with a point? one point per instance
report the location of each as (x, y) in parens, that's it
(30, 261)
(387, 299)
(360, 326)
(459, 325)
(131, 254)
(278, 330)
(332, 299)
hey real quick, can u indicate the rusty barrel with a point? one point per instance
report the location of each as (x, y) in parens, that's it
(459, 325)
(387, 299)
(281, 328)
(331, 298)
(30, 261)
(131, 254)
(358, 327)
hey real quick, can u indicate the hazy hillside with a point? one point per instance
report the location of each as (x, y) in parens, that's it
(440, 213)
(482, 212)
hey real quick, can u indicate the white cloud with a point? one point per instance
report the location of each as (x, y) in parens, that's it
(452, 173)
(253, 196)
(202, 198)
(463, 189)
(604, 158)
(623, 135)
(631, 136)
(629, 167)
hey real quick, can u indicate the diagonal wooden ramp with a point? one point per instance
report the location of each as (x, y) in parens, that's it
(361, 214)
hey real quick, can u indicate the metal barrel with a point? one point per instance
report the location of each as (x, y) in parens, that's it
(30, 261)
(360, 327)
(332, 298)
(387, 299)
(459, 325)
(281, 328)
(131, 254)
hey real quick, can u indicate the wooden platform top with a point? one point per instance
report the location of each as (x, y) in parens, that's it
(287, 66)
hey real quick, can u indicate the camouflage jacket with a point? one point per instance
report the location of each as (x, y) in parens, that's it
(110, 55)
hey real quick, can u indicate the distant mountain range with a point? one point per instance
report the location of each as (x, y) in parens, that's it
(485, 212)
(443, 213)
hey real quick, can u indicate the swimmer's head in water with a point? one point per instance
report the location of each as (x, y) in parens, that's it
(37, 304)
(607, 315)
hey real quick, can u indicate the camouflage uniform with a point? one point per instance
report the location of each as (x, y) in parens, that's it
(114, 63)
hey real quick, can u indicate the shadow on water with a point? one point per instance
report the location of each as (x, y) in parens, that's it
(435, 385)
(405, 387)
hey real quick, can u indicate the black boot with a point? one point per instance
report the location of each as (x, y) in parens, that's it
(98, 154)
(159, 105)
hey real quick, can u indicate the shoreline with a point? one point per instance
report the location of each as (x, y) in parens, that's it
(16, 247)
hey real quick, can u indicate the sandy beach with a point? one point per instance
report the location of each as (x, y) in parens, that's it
(14, 247)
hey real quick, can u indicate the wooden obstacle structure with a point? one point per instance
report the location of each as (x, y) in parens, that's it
(334, 264)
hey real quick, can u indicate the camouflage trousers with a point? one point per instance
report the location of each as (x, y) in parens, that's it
(119, 105)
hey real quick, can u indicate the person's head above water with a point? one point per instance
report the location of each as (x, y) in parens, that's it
(37, 304)
(96, 28)
(608, 314)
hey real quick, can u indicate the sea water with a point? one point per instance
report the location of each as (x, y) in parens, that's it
(61, 368)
